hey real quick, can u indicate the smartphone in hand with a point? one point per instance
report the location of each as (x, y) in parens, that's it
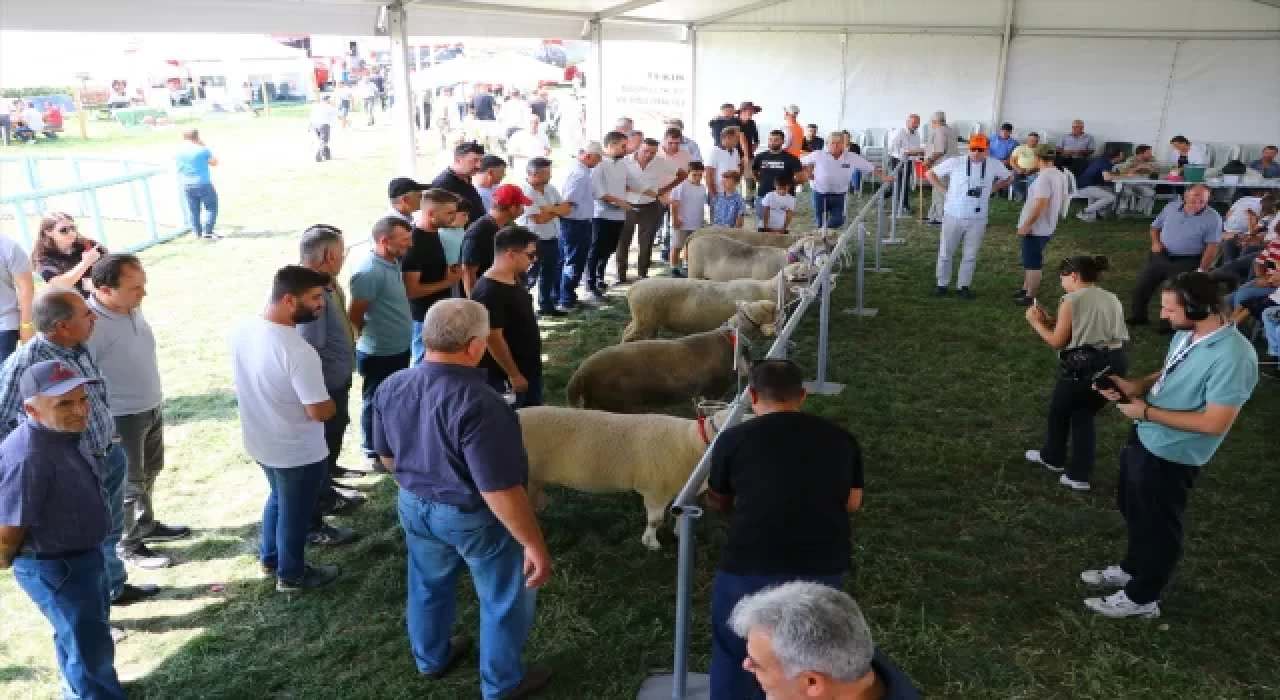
(1102, 380)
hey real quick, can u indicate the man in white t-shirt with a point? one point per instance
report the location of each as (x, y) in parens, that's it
(283, 404)
(528, 143)
(1240, 221)
(831, 171)
(964, 209)
(778, 206)
(903, 144)
(323, 116)
(724, 158)
(543, 218)
(1046, 198)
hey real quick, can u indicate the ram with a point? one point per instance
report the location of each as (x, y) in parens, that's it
(719, 258)
(687, 306)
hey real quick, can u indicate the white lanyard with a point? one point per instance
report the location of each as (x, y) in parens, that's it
(1181, 356)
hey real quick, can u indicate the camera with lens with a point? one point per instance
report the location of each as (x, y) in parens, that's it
(975, 192)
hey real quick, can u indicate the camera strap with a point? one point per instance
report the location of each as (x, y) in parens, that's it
(982, 174)
(1181, 355)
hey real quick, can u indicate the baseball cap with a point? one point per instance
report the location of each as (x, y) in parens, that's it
(509, 195)
(50, 378)
(748, 105)
(978, 141)
(792, 109)
(401, 186)
(1046, 150)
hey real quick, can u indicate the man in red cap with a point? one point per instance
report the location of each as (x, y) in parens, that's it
(476, 255)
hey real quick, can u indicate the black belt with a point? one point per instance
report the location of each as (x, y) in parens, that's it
(1183, 257)
(45, 556)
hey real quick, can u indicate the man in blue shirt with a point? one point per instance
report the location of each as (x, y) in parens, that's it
(52, 523)
(193, 161)
(1184, 237)
(1093, 184)
(1181, 415)
(1267, 164)
(458, 456)
(380, 319)
(575, 227)
(1003, 144)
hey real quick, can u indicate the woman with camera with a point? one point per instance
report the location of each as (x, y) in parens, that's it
(1089, 334)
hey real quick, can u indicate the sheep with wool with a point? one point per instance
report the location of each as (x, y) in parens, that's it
(723, 259)
(763, 238)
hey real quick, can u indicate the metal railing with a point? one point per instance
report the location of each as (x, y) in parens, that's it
(144, 185)
(685, 507)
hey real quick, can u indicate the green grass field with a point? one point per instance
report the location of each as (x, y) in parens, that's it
(966, 557)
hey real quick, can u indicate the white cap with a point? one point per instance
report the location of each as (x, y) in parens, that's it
(593, 147)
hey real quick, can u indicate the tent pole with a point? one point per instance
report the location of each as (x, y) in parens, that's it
(402, 109)
(844, 76)
(997, 99)
(691, 114)
(597, 67)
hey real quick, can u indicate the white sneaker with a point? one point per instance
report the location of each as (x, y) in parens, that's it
(1083, 216)
(1034, 456)
(1118, 605)
(1072, 483)
(1112, 576)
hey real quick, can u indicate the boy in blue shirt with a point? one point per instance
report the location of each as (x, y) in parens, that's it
(728, 208)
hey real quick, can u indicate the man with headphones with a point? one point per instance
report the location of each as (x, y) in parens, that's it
(1181, 415)
(1184, 237)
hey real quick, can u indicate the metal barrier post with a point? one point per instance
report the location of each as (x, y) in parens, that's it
(33, 181)
(820, 385)
(860, 274)
(684, 596)
(151, 211)
(79, 180)
(96, 213)
(880, 233)
(133, 193)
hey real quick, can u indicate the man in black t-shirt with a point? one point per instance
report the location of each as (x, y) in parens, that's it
(812, 141)
(457, 179)
(726, 118)
(428, 276)
(792, 479)
(477, 252)
(768, 165)
(515, 346)
(484, 106)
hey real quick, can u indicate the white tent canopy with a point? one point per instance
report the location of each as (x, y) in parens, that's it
(512, 69)
(1133, 70)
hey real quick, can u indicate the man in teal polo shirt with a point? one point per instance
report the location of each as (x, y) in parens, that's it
(380, 319)
(1181, 415)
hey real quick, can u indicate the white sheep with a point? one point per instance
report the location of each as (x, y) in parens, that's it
(599, 452)
(687, 306)
(648, 375)
(763, 238)
(722, 259)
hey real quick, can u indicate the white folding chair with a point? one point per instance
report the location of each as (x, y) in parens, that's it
(1073, 193)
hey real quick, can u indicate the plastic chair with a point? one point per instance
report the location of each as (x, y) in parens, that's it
(1073, 192)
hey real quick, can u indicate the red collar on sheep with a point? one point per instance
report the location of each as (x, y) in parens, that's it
(702, 428)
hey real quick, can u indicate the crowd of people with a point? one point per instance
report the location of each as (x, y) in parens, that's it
(441, 322)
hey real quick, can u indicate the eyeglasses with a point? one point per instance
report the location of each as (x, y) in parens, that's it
(977, 150)
(69, 228)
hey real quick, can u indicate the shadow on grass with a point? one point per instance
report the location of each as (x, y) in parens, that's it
(216, 406)
(13, 674)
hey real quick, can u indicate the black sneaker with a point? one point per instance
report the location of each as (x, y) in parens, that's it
(459, 646)
(536, 679)
(597, 294)
(330, 536)
(343, 504)
(940, 291)
(142, 557)
(964, 293)
(344, 473)
(212, 237)
(131, 594)
(677, 272)
(314, 576)
(1019, 293)
(566, 309)
(1024, 301)
(166, 533)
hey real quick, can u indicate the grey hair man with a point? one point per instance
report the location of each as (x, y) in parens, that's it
(942, 144)
(806, 640)
(455, 448)
(323, 249)
(64, 323)
(125, 349)
(624, 125)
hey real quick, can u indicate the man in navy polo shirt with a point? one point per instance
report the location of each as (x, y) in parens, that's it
(1093, 184)
(53, 520)
(1184, 237)
(456, 451)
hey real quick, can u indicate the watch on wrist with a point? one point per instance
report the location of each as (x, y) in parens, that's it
(27, 326)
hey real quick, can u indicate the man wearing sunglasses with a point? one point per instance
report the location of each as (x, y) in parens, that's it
(515, 347)
(964, 212)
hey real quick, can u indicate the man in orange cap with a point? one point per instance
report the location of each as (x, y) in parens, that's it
(964, 210)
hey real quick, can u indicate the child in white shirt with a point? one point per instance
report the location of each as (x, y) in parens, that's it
(778, 206)
(688, 212)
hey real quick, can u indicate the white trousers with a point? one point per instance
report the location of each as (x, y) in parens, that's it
(1099, 198)
(956, 231)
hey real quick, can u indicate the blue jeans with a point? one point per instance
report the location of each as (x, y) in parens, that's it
(575, 241)
(546, 269)
(115, 471)
(72, 595)
(830, 207)
(1247, 291)
(374, 370)
(8, 343)
(1271, 327)
(201, 196)
(286, 517)
(440, 539)
(729, 681)
(418, 347)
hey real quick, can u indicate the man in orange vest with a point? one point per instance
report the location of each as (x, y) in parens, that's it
(793, 133)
